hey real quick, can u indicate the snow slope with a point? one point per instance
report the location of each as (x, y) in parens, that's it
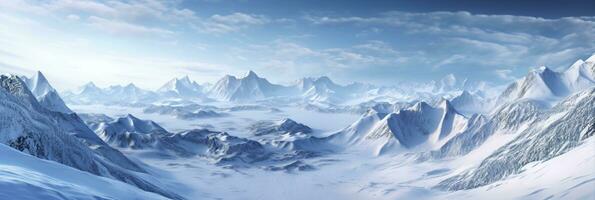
(26, 177)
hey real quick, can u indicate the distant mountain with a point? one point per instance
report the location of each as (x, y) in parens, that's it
(250, 87)
(182, 87)
(115, 94)
(45, 94)
(545, 84)
(31, 128)
(323, 89)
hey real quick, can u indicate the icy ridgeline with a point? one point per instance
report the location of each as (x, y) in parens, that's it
(30, 127)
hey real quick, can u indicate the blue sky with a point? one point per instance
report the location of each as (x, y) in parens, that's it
(382, 42)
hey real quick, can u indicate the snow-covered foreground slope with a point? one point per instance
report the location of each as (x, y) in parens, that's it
(26, 177)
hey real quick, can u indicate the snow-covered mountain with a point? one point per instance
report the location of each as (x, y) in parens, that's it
(468, 103)
(285, 126)
(129, 132)
(182, 87)
(250, 87)
(547, 85)
(420, 126)
(45, 94)
(567, 125)
(31, 128)
(323, 89)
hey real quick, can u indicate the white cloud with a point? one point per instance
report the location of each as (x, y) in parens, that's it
(73, 17)
(124, 28)
(230, 23)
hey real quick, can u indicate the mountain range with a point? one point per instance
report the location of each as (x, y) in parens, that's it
(540, 117)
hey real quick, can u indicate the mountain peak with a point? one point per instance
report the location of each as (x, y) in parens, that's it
(130, 85)
(90, 84)
(251, 74)
(541, 69)
(185, 78)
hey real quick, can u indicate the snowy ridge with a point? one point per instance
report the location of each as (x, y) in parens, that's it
(418, 127)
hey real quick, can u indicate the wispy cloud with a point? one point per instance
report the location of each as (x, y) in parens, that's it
(230, 23)
(125, 28)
